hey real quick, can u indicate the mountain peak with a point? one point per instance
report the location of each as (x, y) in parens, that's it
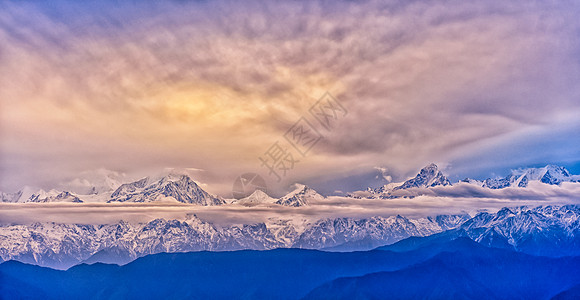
(550, 174)
(54, 196)
(257, 197)
(429, 176)
(178, 186)
(175, 177)
(430, 166)
(300, 196)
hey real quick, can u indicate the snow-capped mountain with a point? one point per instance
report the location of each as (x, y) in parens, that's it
(41, 196)
(127, 189)
(349, 234)
(256, 198)
(63, 245)
(447, 222)
(178, 187)
(181, 188)
(54, 196)
(300, 196)
(549, 174)
(429, 176)
(23, 195)
(471, 181)
(544, 230)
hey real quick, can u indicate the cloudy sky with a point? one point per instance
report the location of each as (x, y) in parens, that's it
(478, 87)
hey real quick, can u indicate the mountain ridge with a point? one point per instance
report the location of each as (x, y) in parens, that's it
(542, 230)
(182, 188)
(457, 267)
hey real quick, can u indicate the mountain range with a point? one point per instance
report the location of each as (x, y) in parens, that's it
(543, 230)
(546, 230)
(549, 174)
(62, 245)
(530, 252)
(430, 176)
(181, 188)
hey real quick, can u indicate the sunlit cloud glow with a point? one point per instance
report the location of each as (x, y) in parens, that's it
(211, 85)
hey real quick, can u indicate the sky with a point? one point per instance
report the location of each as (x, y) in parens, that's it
(138, 87)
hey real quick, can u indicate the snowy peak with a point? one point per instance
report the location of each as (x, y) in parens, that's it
(54, 196)
(500, 183)
(550, 174)
(543, 230)
(471, 181)
(429, 176)
(129, 188)
(447, 222)
(181, 188)
(555, 175)
(256, 198)
(300, 196)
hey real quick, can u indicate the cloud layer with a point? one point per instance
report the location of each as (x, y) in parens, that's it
(457, 199)
(476, 86)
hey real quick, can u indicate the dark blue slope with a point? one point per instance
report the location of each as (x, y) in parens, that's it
(470, 272)
(460, 268)
(281, 274)
(572, 293)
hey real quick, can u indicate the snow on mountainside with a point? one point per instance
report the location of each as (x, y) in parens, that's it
(181, 188)
(549, 174)
(429, 176)
(63, 245)
(375, 231)
(51, 197)
(256, 198)
(300, 196)
(127, 189)
(544, 230)
(178, 187)
(22, 195)
(40, 196)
